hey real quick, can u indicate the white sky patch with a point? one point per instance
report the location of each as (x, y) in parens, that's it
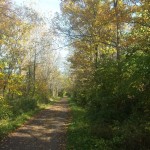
(41, 6)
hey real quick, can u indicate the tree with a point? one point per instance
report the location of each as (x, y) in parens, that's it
(109, 64)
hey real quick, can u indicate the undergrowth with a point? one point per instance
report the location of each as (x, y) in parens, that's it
(79, 132)
(87, 131)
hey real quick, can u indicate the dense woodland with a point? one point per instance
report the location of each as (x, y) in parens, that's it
(110, 68)
(109, 75)
(29, 73)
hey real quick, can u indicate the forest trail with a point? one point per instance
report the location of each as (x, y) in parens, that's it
(46, 131)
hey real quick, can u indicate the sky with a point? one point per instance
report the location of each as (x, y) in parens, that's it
(42, 6)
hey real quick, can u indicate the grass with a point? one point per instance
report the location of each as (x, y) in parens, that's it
(79, 132)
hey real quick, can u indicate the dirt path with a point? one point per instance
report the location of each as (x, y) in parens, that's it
(46, 131)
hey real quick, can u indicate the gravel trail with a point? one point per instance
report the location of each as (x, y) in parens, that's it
(46, 131)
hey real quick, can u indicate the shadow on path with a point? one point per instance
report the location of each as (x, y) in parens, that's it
(46, 131)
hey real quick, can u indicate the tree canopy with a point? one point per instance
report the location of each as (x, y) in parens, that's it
(110, 66)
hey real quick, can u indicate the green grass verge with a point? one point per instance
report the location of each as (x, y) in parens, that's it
(79, 135)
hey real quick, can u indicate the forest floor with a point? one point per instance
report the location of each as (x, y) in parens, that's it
(45, 131)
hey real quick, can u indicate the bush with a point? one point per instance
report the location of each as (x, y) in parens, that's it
(20, 105)
(5, 109)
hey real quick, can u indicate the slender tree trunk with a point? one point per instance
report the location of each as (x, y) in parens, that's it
(29, 79)
(4, 87)
(117, 29)
(96, 56)
(34, 72)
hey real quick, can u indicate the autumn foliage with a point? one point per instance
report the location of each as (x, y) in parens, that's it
(29, 72)
(110, 68)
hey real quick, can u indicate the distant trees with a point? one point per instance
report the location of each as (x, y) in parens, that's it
(110, 65)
